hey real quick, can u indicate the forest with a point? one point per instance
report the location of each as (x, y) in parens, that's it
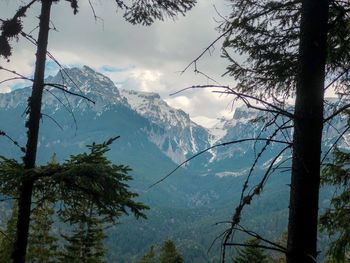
(174, 131)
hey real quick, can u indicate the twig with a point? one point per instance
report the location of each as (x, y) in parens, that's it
(212, 147)
(207, 49)
(2, 133)
(340, 110)
(257, 246)
(51, 118)
(64, 89)
(242, 96)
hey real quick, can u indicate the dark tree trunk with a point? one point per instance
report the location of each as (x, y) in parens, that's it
(34, 108)
(303, 210)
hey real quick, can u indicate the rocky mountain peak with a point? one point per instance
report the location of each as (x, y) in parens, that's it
(87, 81)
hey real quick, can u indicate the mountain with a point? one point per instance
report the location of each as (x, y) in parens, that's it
(173, 132)
(155, 138)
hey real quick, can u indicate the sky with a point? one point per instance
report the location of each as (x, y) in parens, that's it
(134, 57)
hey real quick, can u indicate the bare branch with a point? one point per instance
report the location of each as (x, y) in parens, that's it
(256, 235)
(2, 133)
(51, 118)
(212, 147)
(68, 108)
(257, 246)
(64, 89)
(20, 76)
(246, 200)
(334, 144)
(243, 97)
(193, 62)
(340, 110)
(96, 17)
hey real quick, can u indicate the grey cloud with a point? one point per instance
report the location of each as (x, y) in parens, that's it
(163, 49)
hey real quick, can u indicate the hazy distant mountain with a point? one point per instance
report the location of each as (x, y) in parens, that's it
(154, 139)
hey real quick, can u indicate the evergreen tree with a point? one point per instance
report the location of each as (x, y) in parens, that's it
(88, 178)
(169, 254)
(139, 12)
(42, 244)
(7, 237)
(335, 220)
(149, 257)
(85, 243)
(251, 253)
(290, 48)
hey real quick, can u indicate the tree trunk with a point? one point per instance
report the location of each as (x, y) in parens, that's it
(308, 125)
(34, 109)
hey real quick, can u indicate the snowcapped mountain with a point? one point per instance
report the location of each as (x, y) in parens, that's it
(170, 130)
(175, 133)
(154, 138)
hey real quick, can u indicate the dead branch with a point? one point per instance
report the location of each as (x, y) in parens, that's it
(335, 113)
(2, 133)
(216, 146)
(257, 246)
(51, 118)
(246, 200)
(244, 97)
(64, 88)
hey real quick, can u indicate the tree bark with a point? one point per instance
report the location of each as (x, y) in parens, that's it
(34, 110)
(308, 125)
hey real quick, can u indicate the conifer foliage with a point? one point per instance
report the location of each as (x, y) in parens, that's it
(7, 236)
(84, 186)
(43, 243)
(149, 257)
(335, 221)
(84, 243)
(295, 48)
(251, 253)
(137, 12)
(169, 254)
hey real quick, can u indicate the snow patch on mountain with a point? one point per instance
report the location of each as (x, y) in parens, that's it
(178, 135)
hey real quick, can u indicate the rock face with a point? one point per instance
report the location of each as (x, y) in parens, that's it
(170, 130)
(154, 139)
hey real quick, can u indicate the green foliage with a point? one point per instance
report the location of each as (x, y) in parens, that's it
(87, 176)
(335, 221)
(251, 253)
(149, 257)
(169, 254)
(90, 191)
(85, 242)
(7, 236)
(266, 34)
(42, 244)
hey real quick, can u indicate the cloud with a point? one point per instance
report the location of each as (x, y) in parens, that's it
(5, 89)
(134, 57)
(180, 102)
(205, 121)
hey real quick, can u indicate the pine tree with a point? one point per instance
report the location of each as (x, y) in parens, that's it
(42, 244)
(290, 48)
(140, 12)
(149, 257)
(169, 254)
(85, 243)
(251, 253)
(7, 237)
(335, 221)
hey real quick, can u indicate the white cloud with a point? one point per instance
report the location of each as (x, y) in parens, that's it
(205, 121)
(180, 102)
(5, 89)
(151, 57)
